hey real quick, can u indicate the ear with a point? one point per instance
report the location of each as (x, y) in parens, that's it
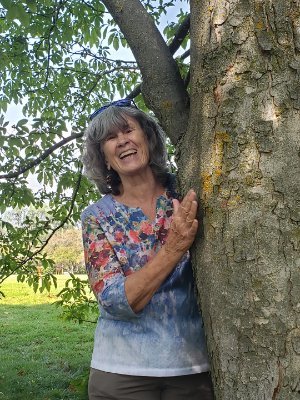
(108, 166)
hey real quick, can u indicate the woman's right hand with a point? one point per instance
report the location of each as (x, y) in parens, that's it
(184, 225)
(142, 284)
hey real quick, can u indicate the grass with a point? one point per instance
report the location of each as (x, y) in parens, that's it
(42, 357)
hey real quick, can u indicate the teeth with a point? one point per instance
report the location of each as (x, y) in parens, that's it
(127, 153)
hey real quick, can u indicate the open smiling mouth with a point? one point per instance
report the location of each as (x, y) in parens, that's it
(127, 153)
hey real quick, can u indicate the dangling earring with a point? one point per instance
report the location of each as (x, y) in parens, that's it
(108, 180)
(108, 177)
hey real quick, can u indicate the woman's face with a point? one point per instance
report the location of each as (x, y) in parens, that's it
(127, 150)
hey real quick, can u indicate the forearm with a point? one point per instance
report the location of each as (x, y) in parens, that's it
(141, 286)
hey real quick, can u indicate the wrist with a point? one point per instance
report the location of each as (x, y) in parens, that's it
(171, 253)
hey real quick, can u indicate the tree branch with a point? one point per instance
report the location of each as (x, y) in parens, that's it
(137, 90)
(163, 88)
(180, 35)
(185, 54)
(48, 40)
(187, 79)
(42, 157)
(63, 222)
(86, 51)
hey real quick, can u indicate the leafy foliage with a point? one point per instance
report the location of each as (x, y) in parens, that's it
(77, 301)
(59, 60)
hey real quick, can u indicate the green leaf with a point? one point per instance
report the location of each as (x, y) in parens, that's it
(35, 286)
(6, 3)
(116, 43)
(22, 122)
(31, 4)
(110, 38)
(17, 11)
(104, 33)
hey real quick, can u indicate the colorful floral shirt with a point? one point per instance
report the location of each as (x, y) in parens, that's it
(166, 338)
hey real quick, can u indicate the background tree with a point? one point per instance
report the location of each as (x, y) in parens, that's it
(65, 249)
(237, 145)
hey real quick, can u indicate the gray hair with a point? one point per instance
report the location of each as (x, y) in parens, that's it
(108, 121)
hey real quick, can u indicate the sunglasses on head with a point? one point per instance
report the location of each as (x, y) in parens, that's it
(118, 103)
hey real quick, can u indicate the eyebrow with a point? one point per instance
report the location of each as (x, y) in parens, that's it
(117, 127)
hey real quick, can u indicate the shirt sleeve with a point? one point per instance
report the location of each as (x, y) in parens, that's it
(104, 271)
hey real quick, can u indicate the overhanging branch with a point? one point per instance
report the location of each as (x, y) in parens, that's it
(53, 231)
(42, 157)
(163, 88)
(138, 89)
(179, 36)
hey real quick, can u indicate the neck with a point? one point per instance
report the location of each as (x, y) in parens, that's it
(138, 189)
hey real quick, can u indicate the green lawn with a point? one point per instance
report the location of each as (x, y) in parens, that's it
(41, 356)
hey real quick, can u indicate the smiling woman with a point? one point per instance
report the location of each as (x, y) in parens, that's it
(126, 150)
(117, 122)
(149, 340)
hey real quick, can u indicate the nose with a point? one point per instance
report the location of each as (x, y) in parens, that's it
(122, 139)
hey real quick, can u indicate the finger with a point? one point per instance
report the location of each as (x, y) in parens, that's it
(194, 228)
(191, 195)
(185, 206)
(176, 205)
(188, 208)
(193, 210)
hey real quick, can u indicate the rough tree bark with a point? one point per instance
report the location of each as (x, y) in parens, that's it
(241, 152)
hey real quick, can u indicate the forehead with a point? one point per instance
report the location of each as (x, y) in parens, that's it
(119, 123)
(130, 121)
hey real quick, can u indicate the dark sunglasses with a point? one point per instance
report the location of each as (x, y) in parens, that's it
(118, 103)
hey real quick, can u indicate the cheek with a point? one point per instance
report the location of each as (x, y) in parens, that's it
(146, 151)
(105, 152)
(145, 155)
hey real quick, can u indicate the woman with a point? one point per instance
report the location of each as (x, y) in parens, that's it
(149, 340)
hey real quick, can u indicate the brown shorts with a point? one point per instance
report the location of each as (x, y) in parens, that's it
(108, 386)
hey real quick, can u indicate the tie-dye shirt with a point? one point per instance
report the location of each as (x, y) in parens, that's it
(166, 338)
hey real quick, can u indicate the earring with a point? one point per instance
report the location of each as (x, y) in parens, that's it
(109, 179)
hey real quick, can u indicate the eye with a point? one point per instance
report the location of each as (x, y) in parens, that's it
(110, 137)
(129, 129)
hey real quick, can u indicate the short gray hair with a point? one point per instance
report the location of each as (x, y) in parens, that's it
(109, 120)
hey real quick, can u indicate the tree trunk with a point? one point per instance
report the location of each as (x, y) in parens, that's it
(241, 154)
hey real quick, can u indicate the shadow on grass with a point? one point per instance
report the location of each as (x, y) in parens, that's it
(43, 357)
